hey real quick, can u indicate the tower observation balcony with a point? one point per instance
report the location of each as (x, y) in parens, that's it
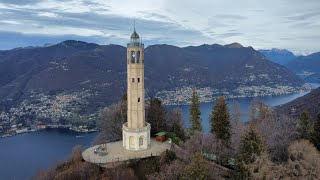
(135, 44)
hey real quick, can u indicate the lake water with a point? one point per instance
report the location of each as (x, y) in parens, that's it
(244, 105)
(22, 156)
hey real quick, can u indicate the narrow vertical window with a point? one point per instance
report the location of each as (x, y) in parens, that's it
(138, 80)
(132, 79)
(133, 55)
(138, 57)
(140, 141)
(138, 99)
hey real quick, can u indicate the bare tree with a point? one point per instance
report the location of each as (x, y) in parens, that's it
(172, 171)
(236, 113)
(264, 168)
(237, 128)
(111, 121)
(197, 169)
(278, 132)
(253, 110)
(304, 161)
(72, 168)
(194, 144)
(76, 155)
(175, 123)
(119, 173)
(264, 113)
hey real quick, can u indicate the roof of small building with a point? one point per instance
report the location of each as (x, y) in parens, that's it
(161, 133)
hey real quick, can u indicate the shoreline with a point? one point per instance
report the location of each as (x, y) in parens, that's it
(228, 97)
(45, 127)
(181, 96)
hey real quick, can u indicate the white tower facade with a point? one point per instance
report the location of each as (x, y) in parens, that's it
(136, 131)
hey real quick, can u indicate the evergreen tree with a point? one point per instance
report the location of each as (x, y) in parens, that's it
(156, 116)
(250, 146)
(177, 126)
(304, 125)
(195, 119)
(220, 121)
(197, 169)
(315, 136)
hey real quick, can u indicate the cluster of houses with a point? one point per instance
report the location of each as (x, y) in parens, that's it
(181, 96)
(40, 111)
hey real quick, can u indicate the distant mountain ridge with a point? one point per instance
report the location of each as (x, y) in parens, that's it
(279, 56)
(307, 67)
(75, 77)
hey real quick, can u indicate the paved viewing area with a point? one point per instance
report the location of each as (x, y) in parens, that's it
(114, 152)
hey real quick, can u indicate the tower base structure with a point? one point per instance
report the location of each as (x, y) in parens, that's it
(136, 139)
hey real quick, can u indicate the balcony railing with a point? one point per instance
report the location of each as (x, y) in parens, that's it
(135, 45)
(125, 127)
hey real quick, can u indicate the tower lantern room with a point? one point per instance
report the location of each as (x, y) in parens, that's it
(135, 40)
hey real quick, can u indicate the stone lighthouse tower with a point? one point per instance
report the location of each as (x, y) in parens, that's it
(136, 131)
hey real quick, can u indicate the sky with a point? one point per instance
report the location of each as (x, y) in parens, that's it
(286, 24)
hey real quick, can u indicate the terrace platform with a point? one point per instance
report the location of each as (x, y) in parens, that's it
(112, 154)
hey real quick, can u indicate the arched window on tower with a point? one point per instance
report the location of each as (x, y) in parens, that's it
(133, 57)
(138, 56)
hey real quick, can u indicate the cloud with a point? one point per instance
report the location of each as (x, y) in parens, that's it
(258, 10)
(259, 24)
(229, 34)
(301, 24)
(304, 16)
(56, 22)
(10, 22)
(229, 17)
(19, 2)
(48, 14)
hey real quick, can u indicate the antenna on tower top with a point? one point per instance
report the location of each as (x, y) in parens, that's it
(134, 24)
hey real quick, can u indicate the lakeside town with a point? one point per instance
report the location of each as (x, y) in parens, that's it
(41, 111)
(182, 96)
